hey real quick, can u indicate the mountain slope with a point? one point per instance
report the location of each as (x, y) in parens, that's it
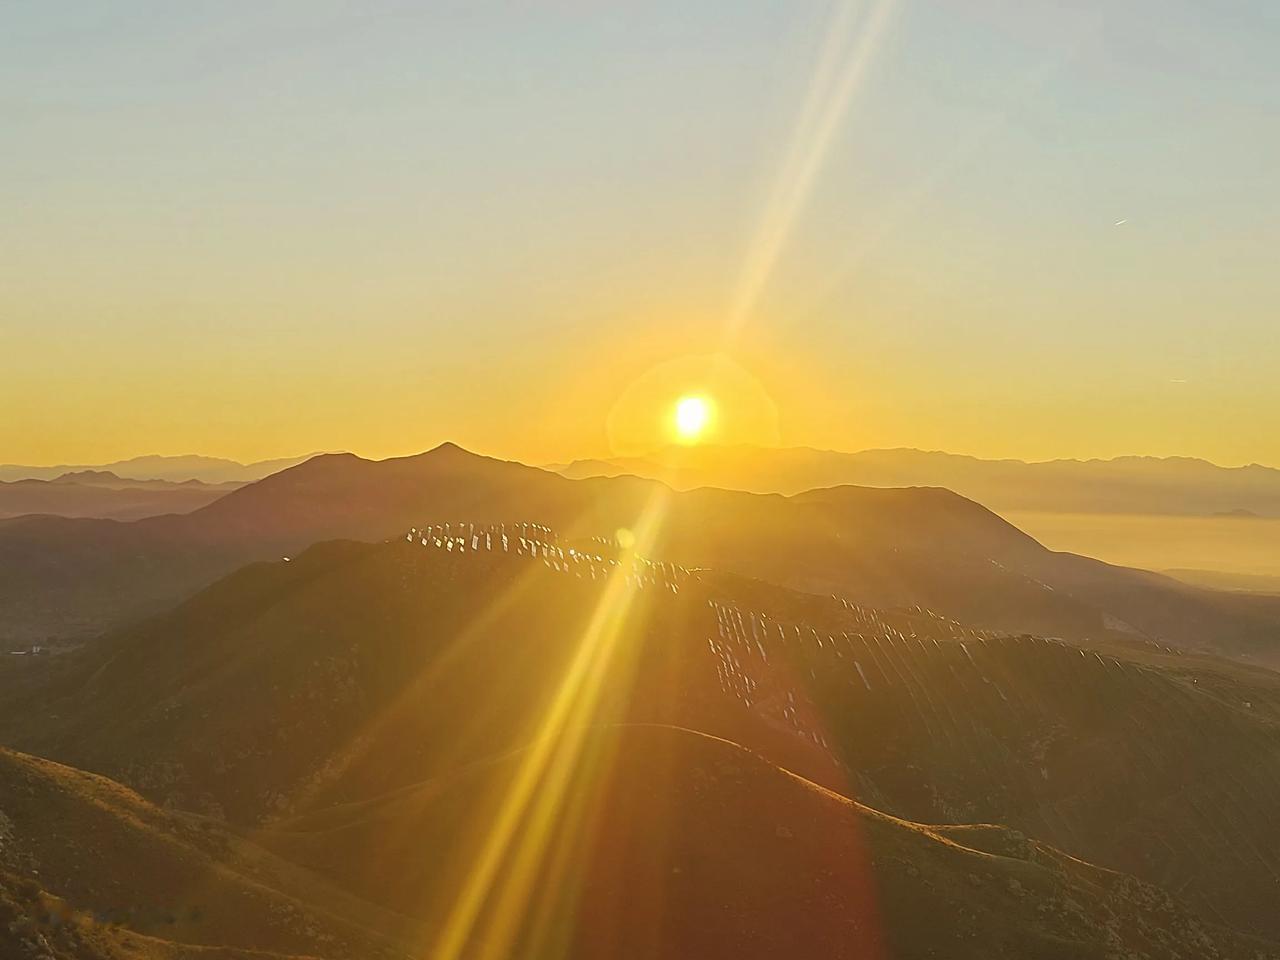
(113, 860)
(359, 670)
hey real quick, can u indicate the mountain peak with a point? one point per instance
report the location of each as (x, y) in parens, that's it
(86, 476)
(449, 448)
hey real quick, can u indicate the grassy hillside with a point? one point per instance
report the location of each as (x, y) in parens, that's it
(116, 863)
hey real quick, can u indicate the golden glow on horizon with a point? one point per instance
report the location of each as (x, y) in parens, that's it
(692, 418)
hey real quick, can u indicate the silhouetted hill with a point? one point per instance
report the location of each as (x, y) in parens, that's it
(1131, 485)
(369, 683)
(881, 546)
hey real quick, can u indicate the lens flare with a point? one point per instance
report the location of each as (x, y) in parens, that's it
(853, 39)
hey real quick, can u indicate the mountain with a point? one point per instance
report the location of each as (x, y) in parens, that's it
(103, 495)
(884, 547)
(1162, 514)
(741, 769)
(152, 467)
(1180, 486)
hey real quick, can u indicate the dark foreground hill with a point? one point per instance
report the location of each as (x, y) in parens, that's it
(90, 869)
(683, 846)
(885, 547)
(290, 692)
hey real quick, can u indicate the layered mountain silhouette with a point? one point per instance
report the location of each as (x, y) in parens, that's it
(746, 770)
(1180, 486)
(886, 547)
(153, 467)
(104, 495)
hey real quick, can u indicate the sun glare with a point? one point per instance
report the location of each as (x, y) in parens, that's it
(692, 417)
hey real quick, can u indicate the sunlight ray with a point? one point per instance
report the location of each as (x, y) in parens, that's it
(848, 50)
(523, 826)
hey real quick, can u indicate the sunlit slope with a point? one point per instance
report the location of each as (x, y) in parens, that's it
(356, 670)
(883, 547)
(353, 668)
(37, 925)
(99, 872)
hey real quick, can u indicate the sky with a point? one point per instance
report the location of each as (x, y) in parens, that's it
(1019, 229)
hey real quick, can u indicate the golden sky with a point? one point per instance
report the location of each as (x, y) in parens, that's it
(1003, 229)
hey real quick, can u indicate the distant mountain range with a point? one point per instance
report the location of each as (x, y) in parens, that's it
(1133, 485)
(64, 577)
(103, 494)
(176, 468)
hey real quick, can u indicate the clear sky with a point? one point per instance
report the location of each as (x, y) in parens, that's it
(263, 228)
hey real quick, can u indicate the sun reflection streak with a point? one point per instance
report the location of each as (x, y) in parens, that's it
(848, 49)
(504, 873)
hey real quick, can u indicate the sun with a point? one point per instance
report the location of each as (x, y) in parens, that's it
(692, 417)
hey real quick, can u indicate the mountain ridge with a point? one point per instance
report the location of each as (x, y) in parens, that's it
(1138, 484)
(885, 546)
